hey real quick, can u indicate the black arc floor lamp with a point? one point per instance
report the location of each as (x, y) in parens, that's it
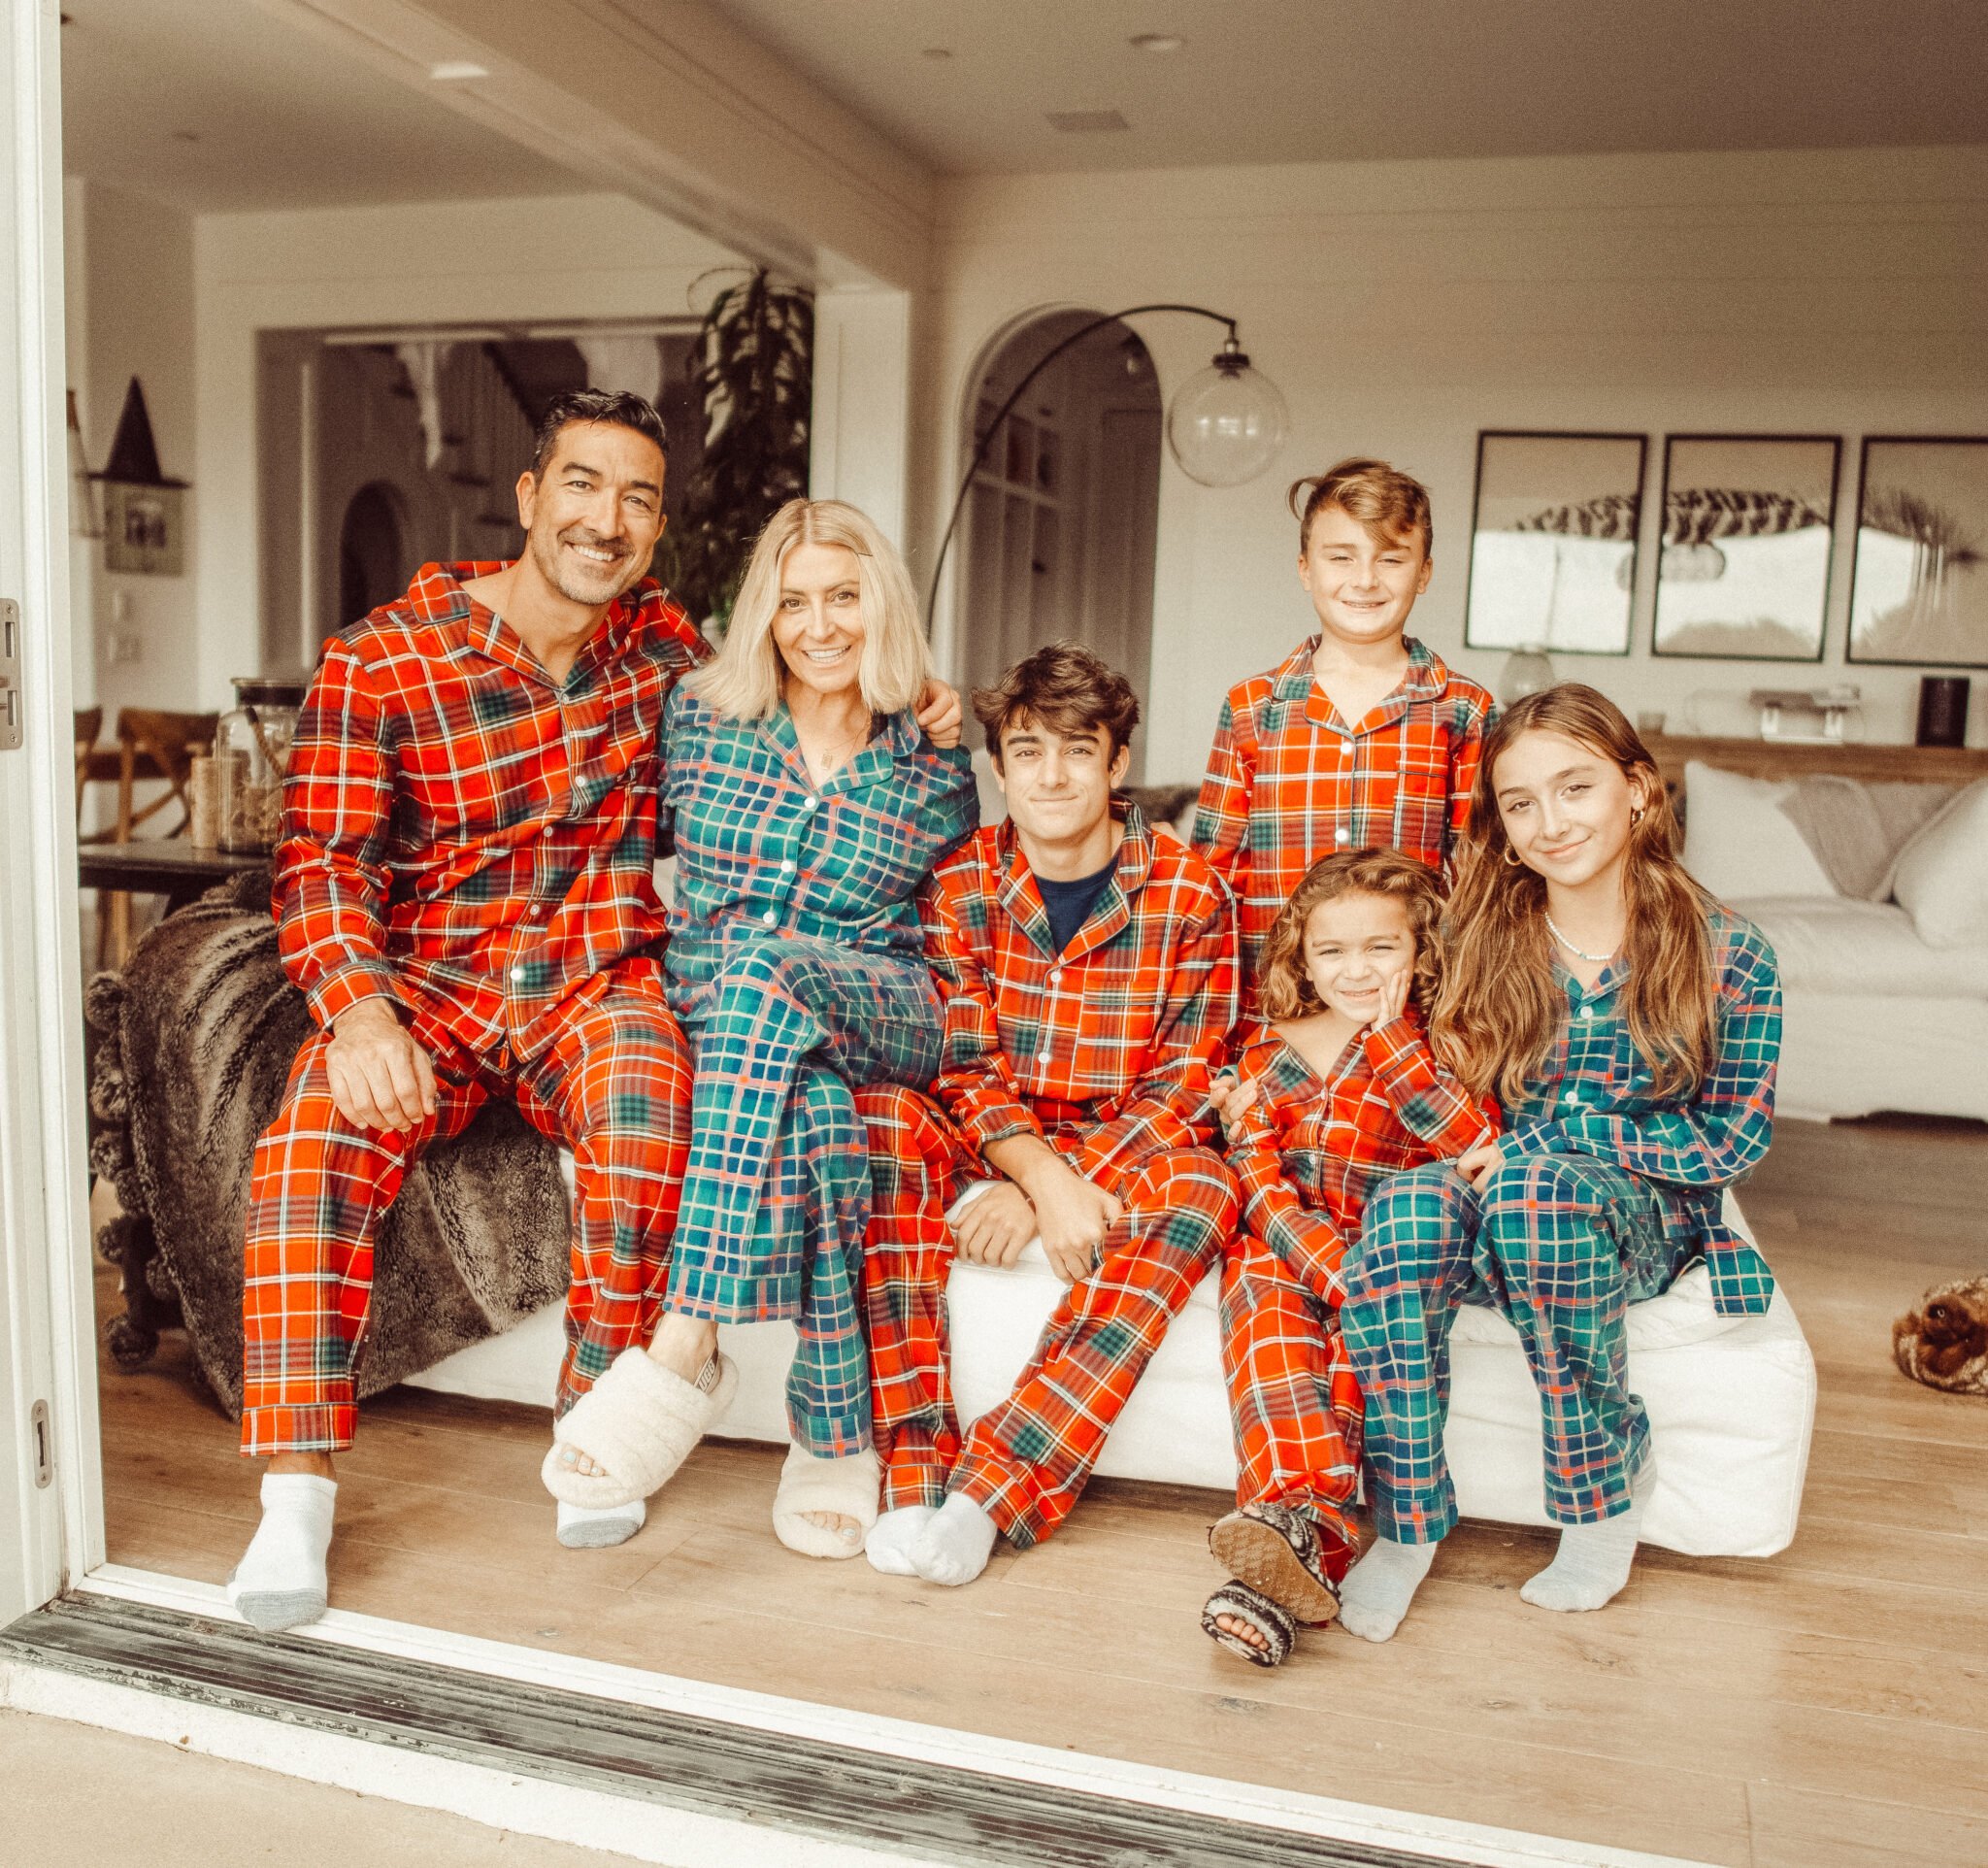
(1224, 424)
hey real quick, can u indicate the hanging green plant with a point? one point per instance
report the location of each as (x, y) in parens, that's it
(754, 367)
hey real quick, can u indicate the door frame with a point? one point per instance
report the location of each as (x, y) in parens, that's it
(51, 1492)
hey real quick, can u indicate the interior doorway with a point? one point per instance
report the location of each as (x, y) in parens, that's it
(1064, 516)
(372, 550)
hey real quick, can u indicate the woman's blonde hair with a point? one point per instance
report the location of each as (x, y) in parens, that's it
(1284, 984)
(1499, 1011)
(743, 680)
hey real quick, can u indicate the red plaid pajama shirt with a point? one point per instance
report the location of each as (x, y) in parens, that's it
(1102, 1049)
(1305, 1155)
(1289, 782)
(473, 842)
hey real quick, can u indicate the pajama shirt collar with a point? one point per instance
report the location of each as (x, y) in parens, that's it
(1427, 680)
(1110, 914)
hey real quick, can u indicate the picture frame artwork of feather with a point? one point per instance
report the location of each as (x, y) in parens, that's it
(1749, 528)
(1553, 540)
(1919, 590)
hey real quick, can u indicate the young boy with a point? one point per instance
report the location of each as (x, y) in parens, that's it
(1088, 970)
(1362, 737)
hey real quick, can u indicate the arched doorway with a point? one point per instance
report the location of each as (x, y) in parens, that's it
(1064, 516)
(372, 567)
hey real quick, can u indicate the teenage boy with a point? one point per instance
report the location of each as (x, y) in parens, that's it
(1088, 972)
(1361, 736)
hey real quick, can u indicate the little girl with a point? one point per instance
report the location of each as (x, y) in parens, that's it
(1347, 1092)
(1629, 1025)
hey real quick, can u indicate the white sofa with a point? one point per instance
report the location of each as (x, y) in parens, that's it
(1885, 1002)
(1731, 1400)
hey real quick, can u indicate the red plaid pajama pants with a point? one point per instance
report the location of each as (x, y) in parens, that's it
(1026, 1460)
(615, 1086)
(1293, 1401)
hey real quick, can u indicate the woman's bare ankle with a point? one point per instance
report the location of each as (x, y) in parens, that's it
(684, 1345)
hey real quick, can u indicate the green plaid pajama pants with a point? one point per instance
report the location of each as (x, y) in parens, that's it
(775, 1198)
(1560, 1244)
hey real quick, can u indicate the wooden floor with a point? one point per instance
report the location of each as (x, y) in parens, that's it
(1827, 1708)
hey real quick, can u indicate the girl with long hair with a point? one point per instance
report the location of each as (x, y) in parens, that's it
(1629, 1026)
(1347, 1092)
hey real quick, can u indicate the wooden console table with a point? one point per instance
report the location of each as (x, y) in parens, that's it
(1759, 758)
(168, 866)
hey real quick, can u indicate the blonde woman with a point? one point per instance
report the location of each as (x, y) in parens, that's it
(808, 806)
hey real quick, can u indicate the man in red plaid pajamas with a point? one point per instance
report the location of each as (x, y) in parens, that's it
(1088, 972)
(1361, 736)
(465, 896)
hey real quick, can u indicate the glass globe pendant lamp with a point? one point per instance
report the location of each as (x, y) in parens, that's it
(1226, 422)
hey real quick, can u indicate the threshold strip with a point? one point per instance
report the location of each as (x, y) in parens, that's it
(805, 1787)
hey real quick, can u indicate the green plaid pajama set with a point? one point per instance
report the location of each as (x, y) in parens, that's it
(797, 970)
(1605, 1196)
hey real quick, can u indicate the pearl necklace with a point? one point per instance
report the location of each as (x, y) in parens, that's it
(1593, 959)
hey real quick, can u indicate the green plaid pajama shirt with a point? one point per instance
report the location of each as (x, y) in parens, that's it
(797, 970)
(1605, 1196)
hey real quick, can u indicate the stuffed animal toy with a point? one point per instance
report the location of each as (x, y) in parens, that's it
(1944, 1341)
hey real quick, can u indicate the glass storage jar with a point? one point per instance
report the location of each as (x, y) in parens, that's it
(251, 751)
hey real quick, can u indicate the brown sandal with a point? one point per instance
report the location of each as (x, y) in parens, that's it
(1279, 1552)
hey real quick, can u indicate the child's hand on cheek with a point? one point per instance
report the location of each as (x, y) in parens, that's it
(1394, 995)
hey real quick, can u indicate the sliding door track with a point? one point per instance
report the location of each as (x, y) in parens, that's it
(673, 1760)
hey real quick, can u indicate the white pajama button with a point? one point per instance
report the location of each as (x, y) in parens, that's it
(808, 804)
(787, 867)
(1587, 1011)
(1344, 836)
(769, 918)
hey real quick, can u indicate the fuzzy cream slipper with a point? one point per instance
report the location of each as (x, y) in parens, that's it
(847, 1486)
(638, 1422)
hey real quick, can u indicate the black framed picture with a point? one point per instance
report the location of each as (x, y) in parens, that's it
(1919, 588)
(1749, 523)
(1553, 540)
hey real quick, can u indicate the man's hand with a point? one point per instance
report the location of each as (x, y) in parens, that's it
(939, 714)
(380, 1077)
(1073, 1214)
(995, 1226)
(1479, 1163)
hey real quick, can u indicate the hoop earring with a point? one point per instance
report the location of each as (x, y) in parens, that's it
(1510, 857)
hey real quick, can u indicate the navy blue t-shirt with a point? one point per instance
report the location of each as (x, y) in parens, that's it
(1070, 904)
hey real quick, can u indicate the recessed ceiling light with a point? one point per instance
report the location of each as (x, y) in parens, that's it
(937, 52)
(457, 71)
(1156, 42)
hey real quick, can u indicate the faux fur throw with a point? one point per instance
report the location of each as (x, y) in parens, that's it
(199, 1033)
(1944, 1341)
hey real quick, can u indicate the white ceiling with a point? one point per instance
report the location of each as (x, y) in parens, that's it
(1290, 81)
(283, 119)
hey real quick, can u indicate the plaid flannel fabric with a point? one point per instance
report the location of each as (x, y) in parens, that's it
(796, 965)
(1595, 1100)
(614, 1084)
(1310, 1148)
(1118, 1032)
(1603, 1196)
(1289, 782)
(1305, 1155)
(1103, 1051)
(462, 832)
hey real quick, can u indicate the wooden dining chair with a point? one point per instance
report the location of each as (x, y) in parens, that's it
(153, 745)
(89, 722)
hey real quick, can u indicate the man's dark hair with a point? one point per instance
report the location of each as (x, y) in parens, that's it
(621, 407)
(1067, 688)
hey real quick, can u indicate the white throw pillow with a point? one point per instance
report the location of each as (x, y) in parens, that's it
(1941, 879)
(1738, 843)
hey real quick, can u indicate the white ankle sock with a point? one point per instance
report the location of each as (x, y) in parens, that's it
(955, 1546)
(280, 1582)
(589, 1527)
(1379, 1589)
(1593, 1561)
(888, 1546)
